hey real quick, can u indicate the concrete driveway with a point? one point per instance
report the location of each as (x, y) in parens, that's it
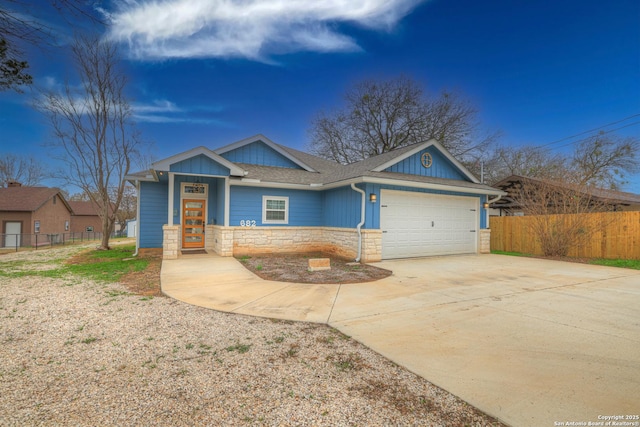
(529, 341)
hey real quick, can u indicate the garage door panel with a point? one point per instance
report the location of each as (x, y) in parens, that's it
(422, 224)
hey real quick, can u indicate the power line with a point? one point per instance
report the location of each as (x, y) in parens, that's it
(591, 131)
(603, 133)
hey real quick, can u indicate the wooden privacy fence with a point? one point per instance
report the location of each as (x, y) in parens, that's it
(612, 235)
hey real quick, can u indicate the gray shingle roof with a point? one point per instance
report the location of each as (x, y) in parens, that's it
(330, 172)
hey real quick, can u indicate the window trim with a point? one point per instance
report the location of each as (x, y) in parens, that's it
(36, 226)
(286, 210)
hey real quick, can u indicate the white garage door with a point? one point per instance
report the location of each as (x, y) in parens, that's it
(12, 234)
(420, 224)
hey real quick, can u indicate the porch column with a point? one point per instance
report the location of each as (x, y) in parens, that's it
(171, 196)
(227, 195)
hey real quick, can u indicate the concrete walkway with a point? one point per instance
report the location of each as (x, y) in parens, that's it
(529, 341)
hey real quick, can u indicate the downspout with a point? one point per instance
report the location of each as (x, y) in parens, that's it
(137, 218)
(359, 226)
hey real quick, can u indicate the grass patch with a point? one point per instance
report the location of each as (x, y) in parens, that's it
(509, 253)
(102, 266)
(621, 263)
(240, 348)
(106, 266)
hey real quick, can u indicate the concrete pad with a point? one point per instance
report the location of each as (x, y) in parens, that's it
(303, 302)
(530, 341)
(532, 351)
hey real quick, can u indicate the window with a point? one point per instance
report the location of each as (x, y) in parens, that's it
(36, 226)
(66, 225)
(275, 210)
(89, 229)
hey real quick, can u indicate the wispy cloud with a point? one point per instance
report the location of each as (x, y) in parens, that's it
(253, 29)
(164, 111)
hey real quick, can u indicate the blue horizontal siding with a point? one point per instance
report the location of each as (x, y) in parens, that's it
(259, 153)
(305, 207)
(200, 164)
(153, 213)
(441, 167)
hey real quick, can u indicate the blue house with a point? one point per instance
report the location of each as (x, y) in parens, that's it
(256, 196)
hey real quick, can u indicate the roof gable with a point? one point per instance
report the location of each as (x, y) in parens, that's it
(260, 150)
(427, 162)
(28, 199)
(199, 160)
(409, 161)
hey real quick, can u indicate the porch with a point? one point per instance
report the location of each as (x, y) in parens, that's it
(238, 241)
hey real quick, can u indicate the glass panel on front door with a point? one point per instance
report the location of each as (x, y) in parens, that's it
(193, 221)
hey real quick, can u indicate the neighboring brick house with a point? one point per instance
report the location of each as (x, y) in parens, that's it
(85, 218)
(27, 212)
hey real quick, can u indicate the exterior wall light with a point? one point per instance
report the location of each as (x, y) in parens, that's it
(485, 205)
(373, 198)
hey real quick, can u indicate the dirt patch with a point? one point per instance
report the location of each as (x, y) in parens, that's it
(295, 268)
(147, 281)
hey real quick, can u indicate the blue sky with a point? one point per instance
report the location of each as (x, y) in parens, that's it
(206, 72)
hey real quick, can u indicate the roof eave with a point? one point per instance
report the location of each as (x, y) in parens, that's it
(370, 180)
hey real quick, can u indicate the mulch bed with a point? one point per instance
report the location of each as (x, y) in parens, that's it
(295, 268)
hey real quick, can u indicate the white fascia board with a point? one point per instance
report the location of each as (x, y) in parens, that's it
(150, 177)
(263, 184)
(165, 164)
(413, 184)
(370, 180)
(434, 143)
(271, 144)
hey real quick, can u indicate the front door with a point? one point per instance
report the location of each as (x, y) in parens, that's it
(193, 220)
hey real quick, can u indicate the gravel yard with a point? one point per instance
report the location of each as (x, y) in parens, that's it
(77, 352)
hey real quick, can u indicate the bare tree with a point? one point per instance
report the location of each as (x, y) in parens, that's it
(529, 161)
(557, 211)
(25, 170)
(603, 160)
(94, 133)
(128, 207)
(381, 116)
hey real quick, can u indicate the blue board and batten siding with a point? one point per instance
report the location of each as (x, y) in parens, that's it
(153, 213)
(441, 167)
(213, 214)
(200, 164)
(341, 207)
(259, 153)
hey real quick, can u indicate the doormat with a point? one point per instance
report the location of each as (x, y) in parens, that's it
(196, 252)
